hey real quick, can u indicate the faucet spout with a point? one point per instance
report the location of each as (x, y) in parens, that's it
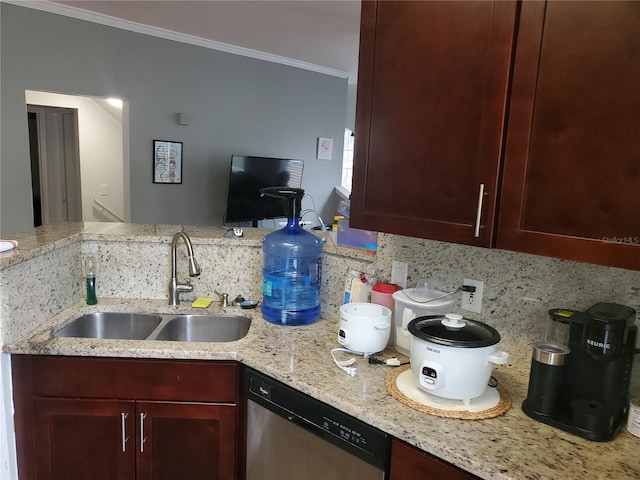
(175, 287)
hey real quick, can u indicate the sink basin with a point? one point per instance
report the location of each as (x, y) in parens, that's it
(112, 325)
(204, 328)
(177, 328)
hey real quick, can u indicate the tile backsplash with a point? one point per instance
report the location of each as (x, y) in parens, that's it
(519, 289)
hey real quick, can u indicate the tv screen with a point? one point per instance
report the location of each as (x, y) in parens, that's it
(250, 174)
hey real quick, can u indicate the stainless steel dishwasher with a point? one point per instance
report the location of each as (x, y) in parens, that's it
(291, 436)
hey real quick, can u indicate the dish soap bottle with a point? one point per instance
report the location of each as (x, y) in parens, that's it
(90, 267)
(292, 266)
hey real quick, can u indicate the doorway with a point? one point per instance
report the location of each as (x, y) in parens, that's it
(101, 163)
(55, 164)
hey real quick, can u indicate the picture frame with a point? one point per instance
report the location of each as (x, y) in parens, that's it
(167, 161)
(325, 148)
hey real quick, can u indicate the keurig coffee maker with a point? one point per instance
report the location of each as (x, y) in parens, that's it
(580, 374)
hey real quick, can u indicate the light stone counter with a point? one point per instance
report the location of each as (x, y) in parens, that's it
(508, 447)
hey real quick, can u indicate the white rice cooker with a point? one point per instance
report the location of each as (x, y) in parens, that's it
(364, 327)
(452, 357)
(411, 303)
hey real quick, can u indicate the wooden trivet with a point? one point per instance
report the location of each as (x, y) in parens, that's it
(453, 409)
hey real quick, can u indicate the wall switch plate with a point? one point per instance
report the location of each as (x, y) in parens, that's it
(472, 301)
(103, 190)
(399, 273)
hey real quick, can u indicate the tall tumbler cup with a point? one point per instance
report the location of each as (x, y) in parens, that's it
(545, 379)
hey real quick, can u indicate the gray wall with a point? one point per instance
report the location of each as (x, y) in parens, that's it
(236, 105)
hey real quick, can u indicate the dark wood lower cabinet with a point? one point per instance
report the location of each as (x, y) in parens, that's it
(83, 439)
(69, 426)
(410, 463)
(185, 441)
(87, 418)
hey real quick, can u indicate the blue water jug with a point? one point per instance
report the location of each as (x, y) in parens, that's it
(292, 267)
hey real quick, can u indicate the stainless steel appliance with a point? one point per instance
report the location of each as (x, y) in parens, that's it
(291, 436)
(583, 389)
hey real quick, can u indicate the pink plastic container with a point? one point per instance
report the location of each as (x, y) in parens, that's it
(382, 294)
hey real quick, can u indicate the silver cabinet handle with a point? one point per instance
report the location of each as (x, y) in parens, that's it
(142, 439)
(123, 417)
(479, 212)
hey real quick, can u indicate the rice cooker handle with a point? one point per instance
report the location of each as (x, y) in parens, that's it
(499, 357)
(382, 326)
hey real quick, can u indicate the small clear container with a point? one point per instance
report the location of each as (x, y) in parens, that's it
(557, 331)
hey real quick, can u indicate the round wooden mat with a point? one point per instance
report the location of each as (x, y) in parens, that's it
(447, 408)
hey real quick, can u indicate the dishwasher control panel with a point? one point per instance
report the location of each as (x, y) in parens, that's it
(347, 432)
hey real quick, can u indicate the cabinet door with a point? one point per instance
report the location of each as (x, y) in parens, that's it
(409, 463)
(186, 441)
(572, 165)
(83, 439)
(432, 86)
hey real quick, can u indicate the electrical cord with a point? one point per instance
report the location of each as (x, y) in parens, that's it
(463, 288)
(363, 274)
(344, 365)
(392, 362)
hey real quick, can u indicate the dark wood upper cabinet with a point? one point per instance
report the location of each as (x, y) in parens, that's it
(432, 90)
(536, 101)
(572, 164)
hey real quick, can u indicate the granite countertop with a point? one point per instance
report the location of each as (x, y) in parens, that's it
(38, 241)
(511, 446)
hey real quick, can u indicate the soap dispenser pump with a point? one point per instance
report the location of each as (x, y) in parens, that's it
(292, 266)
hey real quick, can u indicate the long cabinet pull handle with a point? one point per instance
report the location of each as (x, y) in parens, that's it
(476, 232)
(123, 417)
(142, 439)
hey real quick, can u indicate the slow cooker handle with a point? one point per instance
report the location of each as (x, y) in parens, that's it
(407, 316)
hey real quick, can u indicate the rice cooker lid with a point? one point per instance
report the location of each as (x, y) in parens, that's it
(454, 331)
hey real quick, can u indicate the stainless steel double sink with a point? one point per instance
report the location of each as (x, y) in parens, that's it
(141, 326)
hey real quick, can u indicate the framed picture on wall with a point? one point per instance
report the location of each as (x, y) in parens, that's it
(167, 161)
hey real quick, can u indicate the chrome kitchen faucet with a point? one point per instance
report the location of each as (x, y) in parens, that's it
(175, 288)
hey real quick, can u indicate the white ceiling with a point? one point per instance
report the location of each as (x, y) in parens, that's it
(316, 32)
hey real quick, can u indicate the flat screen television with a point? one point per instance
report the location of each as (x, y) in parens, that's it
(250, 174)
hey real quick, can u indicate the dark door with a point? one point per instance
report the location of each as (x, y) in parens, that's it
(572, 166)
(84, 439)
(186, 441)
(432, 89)
(55, 164)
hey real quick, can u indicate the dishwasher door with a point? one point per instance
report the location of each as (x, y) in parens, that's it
(284, 450)
(292, 436)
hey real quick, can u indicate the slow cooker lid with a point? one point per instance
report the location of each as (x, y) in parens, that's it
(473, 334)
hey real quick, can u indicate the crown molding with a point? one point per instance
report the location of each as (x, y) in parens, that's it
(94, 17)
